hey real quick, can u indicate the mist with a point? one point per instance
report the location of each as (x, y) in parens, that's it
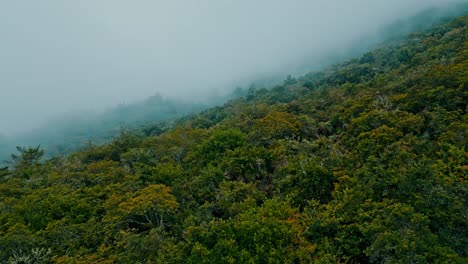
(58, 57)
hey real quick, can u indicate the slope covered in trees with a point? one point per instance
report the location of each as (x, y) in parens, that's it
(75, 130)
(365, 162)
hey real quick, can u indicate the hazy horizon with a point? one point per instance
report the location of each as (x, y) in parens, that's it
(61, 57)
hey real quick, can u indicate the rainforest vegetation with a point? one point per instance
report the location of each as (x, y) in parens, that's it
(364, 162)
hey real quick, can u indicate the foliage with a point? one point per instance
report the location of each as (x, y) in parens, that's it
(364, 162)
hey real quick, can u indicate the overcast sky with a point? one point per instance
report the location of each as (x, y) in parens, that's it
(58, 56)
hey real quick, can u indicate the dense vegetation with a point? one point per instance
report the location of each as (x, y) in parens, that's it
(365, 162)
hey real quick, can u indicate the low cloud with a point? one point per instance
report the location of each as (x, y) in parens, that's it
(61, 56)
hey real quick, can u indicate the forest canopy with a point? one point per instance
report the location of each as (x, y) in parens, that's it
(364, 162)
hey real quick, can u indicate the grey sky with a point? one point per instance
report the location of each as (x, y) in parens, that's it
(58, 56)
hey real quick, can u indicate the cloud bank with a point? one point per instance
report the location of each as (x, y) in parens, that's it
(61, 56)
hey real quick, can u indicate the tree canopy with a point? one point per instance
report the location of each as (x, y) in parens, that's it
(364, 162)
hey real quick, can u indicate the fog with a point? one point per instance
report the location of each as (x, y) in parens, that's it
(59, 56)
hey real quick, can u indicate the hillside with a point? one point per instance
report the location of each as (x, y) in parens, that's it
(69, 130)
(364, 162)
